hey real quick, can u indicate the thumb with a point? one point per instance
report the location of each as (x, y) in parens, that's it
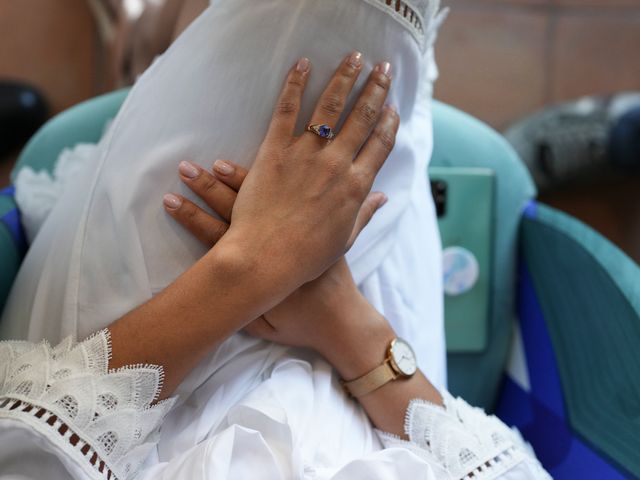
(370, 206)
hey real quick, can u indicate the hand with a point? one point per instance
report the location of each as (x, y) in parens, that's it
(291, 220)
(328, 314)
(297, 208)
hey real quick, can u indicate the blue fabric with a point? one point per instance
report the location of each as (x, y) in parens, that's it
(11, 220)
(540, 414)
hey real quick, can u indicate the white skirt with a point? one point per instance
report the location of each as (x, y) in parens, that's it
(108, 246)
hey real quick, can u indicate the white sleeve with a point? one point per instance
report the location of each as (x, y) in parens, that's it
(64, 414)
(461, 442)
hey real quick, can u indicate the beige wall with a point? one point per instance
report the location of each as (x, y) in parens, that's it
(51, 44)
(501, 59)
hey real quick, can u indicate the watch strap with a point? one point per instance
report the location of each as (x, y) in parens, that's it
(376, 378)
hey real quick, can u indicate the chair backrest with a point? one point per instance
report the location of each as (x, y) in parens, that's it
(83, 123)
(463, 141)
(579, 305)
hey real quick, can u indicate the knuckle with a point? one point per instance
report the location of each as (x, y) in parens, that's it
(386, 138)
(332, 105)
(210, 185)
(189, 213)
(367, 113)
(348, 72)
(357, 186)
(286, 107)
(381, 81)
(295, 81)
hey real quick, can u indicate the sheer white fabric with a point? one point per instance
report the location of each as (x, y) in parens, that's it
(107, 246)
(63, 407)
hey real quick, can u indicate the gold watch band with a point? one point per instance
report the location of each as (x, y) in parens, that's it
(371, 381)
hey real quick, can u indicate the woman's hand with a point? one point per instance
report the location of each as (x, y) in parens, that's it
(328, 314)
(297, 208)
(292, 219)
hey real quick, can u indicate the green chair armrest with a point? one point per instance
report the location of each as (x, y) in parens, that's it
(84, 122)
(589, 293)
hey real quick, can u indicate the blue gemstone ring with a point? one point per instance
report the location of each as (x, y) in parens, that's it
(323, 131)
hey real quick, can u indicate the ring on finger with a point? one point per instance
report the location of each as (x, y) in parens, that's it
(322, 130)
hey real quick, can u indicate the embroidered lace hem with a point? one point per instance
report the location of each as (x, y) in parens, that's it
(103, 419)
(461, 442)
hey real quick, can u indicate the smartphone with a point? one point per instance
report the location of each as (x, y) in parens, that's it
(464, 199)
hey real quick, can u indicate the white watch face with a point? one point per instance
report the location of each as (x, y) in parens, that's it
(403, 357)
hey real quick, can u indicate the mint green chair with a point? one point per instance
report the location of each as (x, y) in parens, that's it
(575, 297)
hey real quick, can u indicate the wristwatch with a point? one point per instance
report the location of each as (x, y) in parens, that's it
(400, 362)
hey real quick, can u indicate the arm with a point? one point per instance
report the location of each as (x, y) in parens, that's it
(331, 316)
(79, 395)
(314, 191)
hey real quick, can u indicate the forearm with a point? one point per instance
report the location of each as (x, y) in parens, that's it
(192, 316)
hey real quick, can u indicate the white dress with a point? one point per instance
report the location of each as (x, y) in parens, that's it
(63, 415)
(251, 409)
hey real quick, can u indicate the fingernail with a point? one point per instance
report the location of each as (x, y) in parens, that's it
(383, 199)
(171, 201)
(355, 59)
(384, 68)
(223, 168)
(392, 109)
(303, 65)
(188, 169)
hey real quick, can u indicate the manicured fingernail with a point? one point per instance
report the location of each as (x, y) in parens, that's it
(303, 65)
(384, 68)
(223, 168)
(355, 59)
(188, 169)
(171, 201)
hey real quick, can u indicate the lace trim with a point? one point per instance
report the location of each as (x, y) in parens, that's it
(462, 442)
(104, 419)
(421, 17)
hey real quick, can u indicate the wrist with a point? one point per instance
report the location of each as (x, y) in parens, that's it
(361, 345)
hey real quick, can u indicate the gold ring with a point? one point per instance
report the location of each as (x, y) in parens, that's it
(322, 130)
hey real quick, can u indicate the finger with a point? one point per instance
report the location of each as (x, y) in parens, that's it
(231, 174)
(379, 145)
(334, 98)
(366, 112)
(260, 328)
(285, 115)
(214, 192)
(198, 222)
(371, 205)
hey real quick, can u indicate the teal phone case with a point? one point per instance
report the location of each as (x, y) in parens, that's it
(467, 222)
